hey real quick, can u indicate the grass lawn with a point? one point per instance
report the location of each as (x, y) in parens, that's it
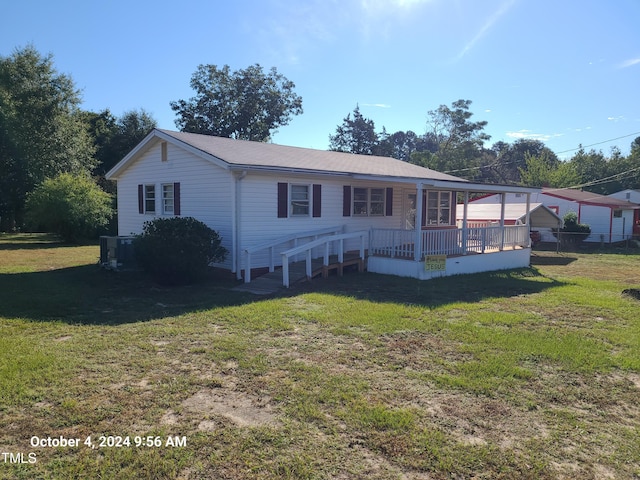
(532, 373)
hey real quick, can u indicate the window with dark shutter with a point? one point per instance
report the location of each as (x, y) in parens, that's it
(346, 201)
(283, 201)
(140, 198)
(176, 198)
(317, 200)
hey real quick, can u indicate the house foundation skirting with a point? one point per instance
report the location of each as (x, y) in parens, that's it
(455, 265)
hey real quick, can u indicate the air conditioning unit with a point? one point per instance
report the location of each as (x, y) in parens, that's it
(116, 252)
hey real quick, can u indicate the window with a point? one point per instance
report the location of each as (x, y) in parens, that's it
(617, 213)
(360, 201)
(438, 208)
(369, 201)
(376, 201)
(167, 199)
(149, 198)
(299, 200)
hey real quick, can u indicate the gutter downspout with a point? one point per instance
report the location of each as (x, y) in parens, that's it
(237, 255)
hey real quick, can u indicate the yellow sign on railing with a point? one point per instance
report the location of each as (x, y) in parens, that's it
(435, 263)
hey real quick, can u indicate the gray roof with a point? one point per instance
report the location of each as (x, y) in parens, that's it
(242, 153)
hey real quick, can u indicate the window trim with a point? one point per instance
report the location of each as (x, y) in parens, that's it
(292, 200)
(147, 198)
(168, 187)
(439, 208)
(368, 203)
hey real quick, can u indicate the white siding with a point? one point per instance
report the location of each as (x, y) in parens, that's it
(259, 220)
(206, 191)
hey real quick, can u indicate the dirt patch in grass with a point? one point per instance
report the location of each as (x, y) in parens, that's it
(242, 409)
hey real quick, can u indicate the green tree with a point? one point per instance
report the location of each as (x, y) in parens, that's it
(73, 207)
(246, 104)
(355, 135)
(42, 131)
(509, 159)
(459, 141)
(398, 145)
(591, 166)
(544, 170)
(115, 137)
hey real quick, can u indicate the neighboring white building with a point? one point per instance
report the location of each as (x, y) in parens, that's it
(255, 194)
(611, 220)
(632, 196)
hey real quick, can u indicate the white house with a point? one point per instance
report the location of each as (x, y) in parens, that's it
(266, 200)
(610, 219)
(632, 196)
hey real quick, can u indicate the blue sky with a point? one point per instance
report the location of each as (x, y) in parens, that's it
(564, 72)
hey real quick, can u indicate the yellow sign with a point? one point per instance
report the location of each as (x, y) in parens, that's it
(435, 262)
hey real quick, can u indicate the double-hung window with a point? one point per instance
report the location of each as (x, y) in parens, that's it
(438, 208)
(149, 198)
(299, 200)
(368, 201)
(167, 199)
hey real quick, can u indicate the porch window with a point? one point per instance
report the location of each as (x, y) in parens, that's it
(167, 199)
(149, 198)
(438, 208)
(369, 201)
(299, 200)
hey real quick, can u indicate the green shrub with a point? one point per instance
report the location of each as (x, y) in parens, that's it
(74, 207)
(178, 250)
(573, 232)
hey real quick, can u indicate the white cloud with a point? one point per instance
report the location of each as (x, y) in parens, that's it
(615, 119)
(377, 105)
(629, 63)
(529, 135)
(491, 21)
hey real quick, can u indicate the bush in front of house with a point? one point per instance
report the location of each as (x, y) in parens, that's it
(72, 206)
(178, 250)
(573, 233)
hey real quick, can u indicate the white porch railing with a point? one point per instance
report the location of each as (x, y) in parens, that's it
(452, 241)
(325, 244)
(280, 243)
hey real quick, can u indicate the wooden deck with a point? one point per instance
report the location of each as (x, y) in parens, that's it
(271, 282)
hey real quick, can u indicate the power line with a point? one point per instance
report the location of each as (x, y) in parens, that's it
(598, 143)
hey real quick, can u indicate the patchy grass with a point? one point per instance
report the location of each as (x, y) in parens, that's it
(532, 373)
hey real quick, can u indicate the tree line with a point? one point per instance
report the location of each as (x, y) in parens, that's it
(45, 135)
(453, 143)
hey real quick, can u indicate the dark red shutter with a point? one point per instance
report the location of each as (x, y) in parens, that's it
(140, 198)
(388, 211)
(346, 201)
(283, 201)
(176, 198)
(317, 200)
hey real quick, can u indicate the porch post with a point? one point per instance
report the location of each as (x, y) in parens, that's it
(503, 197)
(465, 231)
(528, 218)
(417, 249)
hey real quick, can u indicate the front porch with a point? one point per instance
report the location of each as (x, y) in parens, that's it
(448, 251)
